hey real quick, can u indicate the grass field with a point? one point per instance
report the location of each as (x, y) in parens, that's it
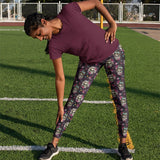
(26, 72)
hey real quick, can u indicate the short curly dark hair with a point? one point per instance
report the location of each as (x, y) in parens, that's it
(32, 22)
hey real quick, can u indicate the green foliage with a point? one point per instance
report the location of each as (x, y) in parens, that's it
(150, 1)
(45, 1)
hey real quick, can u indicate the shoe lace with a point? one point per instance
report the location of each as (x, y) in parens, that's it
(47, 150)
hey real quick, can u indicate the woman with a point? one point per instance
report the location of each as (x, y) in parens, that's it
(71, 32)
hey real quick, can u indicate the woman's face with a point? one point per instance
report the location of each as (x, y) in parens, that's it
(43, 32)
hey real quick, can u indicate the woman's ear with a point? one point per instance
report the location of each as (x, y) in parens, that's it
(43, 21)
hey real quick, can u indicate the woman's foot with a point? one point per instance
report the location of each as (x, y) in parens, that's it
(49, 152)
(124, 153)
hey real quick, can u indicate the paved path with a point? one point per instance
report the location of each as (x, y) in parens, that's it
(149, 29)
(151, 32)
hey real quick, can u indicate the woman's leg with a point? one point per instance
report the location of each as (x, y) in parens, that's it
(114, 67)
(86, 73)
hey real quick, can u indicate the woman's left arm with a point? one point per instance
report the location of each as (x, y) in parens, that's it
(60, 84)
(91, 4)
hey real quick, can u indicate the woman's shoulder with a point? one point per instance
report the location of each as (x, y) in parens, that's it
(70, 7)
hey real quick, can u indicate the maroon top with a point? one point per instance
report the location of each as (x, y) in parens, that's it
(80, 37)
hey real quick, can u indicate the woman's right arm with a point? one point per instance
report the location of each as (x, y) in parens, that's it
(60, 84)
(91, 4)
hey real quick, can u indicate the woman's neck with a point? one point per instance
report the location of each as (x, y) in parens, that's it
(56, 25)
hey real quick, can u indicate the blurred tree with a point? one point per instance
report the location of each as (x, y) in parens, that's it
(6, 1)
(151, 12)
(67, 1)
(150, 1)
(44, 1)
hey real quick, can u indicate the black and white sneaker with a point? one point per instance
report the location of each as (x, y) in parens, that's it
(49, 152)
(124, 153)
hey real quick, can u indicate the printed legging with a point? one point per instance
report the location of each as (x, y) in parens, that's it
(86, 73)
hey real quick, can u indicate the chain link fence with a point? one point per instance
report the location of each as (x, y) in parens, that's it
(121, 12)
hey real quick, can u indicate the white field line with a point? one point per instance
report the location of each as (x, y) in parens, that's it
(61, 149)
(17, 30)
(11, 29)
(50, 99)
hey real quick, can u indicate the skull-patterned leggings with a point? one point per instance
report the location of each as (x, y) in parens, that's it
(86, 73)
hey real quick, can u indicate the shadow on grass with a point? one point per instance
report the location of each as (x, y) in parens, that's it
(142, 92)
(27, 141)
(45, 73)
(15, 134)
(95, 83)
(28, 70)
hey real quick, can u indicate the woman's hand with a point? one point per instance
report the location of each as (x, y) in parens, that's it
(60, 115)
(91, 4)
(111, 33)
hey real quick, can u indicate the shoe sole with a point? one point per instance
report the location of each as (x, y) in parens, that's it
(124, 159)
(51, 156)
(127, 159)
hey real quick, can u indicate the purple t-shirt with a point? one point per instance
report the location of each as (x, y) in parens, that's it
(80, 37)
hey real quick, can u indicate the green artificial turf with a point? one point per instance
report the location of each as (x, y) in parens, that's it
(26, 71)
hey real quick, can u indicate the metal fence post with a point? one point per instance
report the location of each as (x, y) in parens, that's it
(159, 12)
(141, 12)
(1, 11)
(59, 7)
(14, 11)
(39, 8)
(120, 15)
(8, 11)
(19, 10)
(99, 15)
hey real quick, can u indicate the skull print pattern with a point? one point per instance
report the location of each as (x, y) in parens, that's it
(86, 73)
(115, 73)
